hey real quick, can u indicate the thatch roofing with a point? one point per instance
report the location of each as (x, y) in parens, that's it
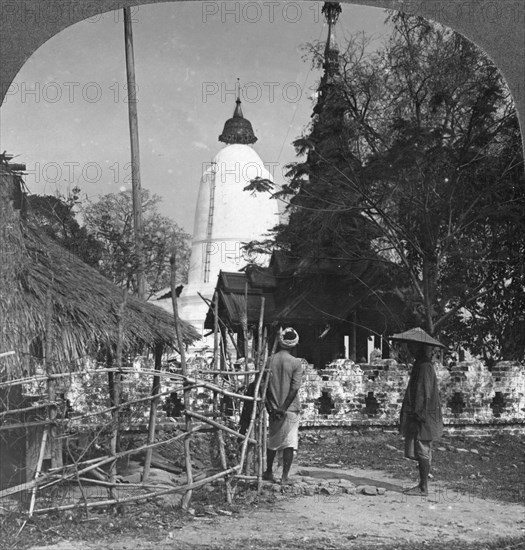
(42, 284)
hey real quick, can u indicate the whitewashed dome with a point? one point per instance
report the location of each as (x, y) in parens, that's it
(226, 216)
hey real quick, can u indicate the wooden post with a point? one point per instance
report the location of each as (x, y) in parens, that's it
(155, 391)
(38, 469)
(114, 380)
(260, 333)
(217, 339)
(244, 322)
(264, 442)
(135, 154)
(256, 393)
(264, 415)
(258, 455)
(216, 331)
(54, 442)
(353, 342)
(187, 449)
(252, 418)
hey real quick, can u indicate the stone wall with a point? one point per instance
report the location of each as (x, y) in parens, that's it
(350, 394)
(346, 393)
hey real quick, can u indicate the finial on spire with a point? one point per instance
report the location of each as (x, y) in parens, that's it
(238, 110)
(331, 11)
(238, 129)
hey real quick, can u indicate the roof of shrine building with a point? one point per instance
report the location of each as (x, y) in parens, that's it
(282, 301)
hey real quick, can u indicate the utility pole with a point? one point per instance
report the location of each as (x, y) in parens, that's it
(135, 156)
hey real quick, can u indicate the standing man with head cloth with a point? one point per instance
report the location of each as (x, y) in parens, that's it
(421, 419)
(283, 405)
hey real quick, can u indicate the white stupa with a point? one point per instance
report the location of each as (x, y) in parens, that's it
(226, 216)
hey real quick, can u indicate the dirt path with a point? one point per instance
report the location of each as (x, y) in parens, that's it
(343, 519)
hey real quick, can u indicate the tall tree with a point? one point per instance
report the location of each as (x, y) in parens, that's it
(55, 215)
(423, 167)
(111, 220)
(444, 182)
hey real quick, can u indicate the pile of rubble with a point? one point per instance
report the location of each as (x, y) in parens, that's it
(322, 488)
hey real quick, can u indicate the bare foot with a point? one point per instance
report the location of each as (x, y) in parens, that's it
(268, 476)
(416, 491)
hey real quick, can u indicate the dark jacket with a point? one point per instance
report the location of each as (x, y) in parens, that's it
(421, 415)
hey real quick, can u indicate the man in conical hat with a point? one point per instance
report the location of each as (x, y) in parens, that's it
(283, 404)
(421, 419)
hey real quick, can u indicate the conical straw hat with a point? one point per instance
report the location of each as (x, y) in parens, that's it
(416, 335)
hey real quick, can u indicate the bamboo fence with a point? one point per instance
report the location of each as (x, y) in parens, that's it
(107, 425)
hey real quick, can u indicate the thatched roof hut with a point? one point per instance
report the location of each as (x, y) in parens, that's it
(43, 285)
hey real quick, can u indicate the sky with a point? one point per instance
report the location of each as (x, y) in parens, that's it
(66, 115)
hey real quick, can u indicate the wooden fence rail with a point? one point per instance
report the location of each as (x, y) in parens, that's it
(56, 427)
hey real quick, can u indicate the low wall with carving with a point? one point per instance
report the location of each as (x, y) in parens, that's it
(350, 394)
(346, 393)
